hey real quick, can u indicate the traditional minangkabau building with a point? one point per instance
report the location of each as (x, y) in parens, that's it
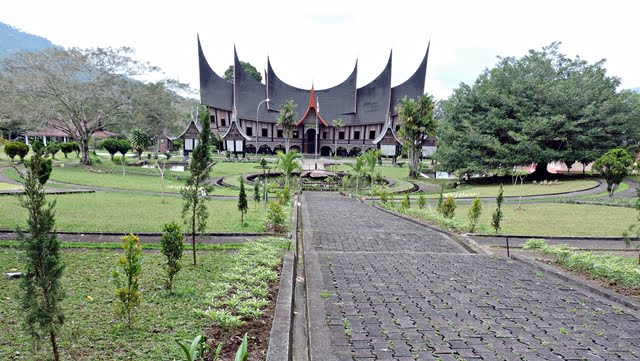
(244, 113)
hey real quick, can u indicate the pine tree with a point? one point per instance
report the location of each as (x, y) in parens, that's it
(497, 215)
(43, 270)
(194, 210)
(243, 205)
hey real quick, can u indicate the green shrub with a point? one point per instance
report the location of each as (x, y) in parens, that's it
(448, 207)
(128, 291)
(276, 216)
(52, 149)
(284, 195)
(405, 203)
(67, 148)
(534, 243)
(172, 243)
(384, 197)
(474, 214)
(10, 150)
(422, 201)
(21, 150)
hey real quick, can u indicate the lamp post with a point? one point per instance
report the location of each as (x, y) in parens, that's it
(257, 123)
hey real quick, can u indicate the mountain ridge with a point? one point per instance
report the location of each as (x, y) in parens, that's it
(13, 40)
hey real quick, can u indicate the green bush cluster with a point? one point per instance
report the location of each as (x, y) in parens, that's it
(276, 217)
(448, 207)
(127, 293)
(13, 149)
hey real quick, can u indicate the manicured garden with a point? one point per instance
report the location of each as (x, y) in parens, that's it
(92, 332)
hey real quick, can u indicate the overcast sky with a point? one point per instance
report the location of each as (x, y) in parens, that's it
(319, 42)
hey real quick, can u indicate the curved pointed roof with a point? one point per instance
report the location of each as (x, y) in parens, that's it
(374, 98)
(248, 92)
(214, 90)
(412, 87)
(340, 99)
(280, 92)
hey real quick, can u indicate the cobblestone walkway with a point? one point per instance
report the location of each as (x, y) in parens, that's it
(383, 288)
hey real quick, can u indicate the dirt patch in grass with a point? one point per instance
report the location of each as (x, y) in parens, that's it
(257, 330)
(633, 293)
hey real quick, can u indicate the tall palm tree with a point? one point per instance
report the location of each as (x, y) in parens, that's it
(287, 119)
(288, 162)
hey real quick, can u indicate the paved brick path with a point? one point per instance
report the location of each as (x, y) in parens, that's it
(382, 288)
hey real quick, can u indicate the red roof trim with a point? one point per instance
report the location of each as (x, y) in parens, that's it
(312, 104)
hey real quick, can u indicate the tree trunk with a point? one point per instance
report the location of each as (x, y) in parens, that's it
(84, 148)
(541, 172)
(193, 233)
(54, 346)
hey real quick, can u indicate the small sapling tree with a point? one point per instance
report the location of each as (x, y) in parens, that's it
(127, 288)
(474, 214)
(497, 216)
(422, 201)
(43, 269)
(256, 194)
(194, 193)
(172, 243)
(448, 207)
(405, 203)
(614, 165)
(243, 205)
(66, 148)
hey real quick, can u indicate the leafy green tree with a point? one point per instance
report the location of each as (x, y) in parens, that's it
(614, 165)
(255, 74)
(288, 162)
(416, 124)
(127, 293)
(42, 291)
(287, 119)
(111, 145)
(497, 216)
(540, 108)
(474, 214)
(172, 243)
(276, 216)
(140, 142)
(194, 209)
(243, 205)
(359, 169)
(77, 91)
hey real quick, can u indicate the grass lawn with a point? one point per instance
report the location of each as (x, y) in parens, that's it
(9, 186)
(90, 331)
(130, 212)
(556, 219)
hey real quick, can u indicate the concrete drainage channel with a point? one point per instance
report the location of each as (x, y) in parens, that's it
(289, 337)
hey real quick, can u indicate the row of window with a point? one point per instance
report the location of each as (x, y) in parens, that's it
(280, 134)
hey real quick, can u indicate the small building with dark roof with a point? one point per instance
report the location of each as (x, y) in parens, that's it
(245, 111)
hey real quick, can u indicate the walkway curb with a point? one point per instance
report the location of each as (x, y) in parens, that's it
(465, 241)
(559, 238)
(579, 282)
(281, 335)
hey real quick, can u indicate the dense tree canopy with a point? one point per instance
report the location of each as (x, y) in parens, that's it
(228, 74)
(540, 108)
(416, 124)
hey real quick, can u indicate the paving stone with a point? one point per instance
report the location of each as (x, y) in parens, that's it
(412, 293)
